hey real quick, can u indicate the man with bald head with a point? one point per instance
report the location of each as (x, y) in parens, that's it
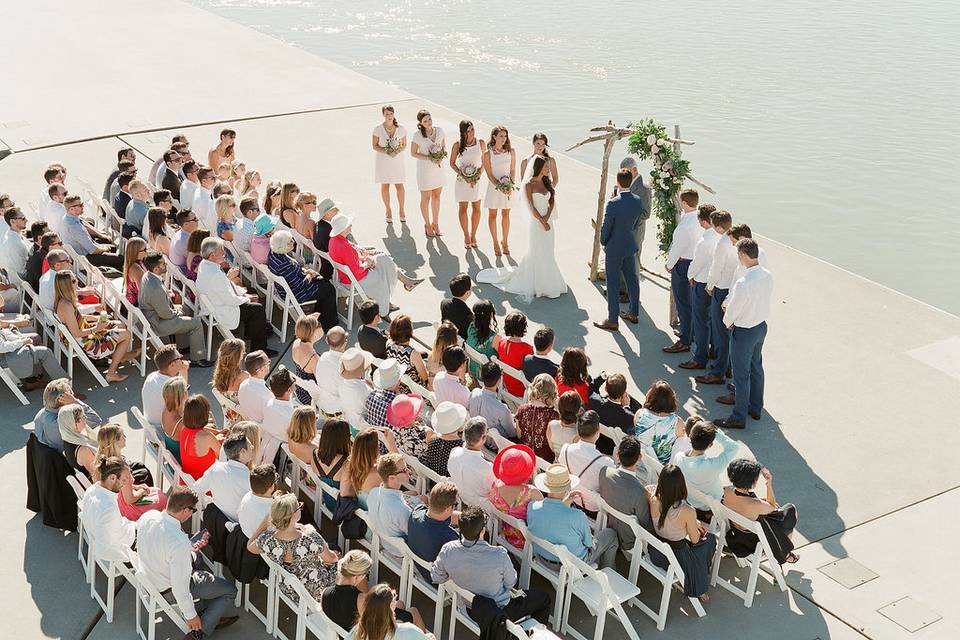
(328, 366)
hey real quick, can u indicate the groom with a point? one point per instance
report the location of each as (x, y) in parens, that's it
(619, 239)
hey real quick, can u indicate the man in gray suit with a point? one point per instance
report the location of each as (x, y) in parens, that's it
(638, 188)
(166, 320)
(25, 360)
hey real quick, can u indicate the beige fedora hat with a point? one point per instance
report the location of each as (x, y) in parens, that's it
(556, 479)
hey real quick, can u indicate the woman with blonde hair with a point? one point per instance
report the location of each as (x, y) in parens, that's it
(133, 269)
(228, 373)
(308, 333)
(226, 208)
(248, 185)
(447, 336)
(361, 475)
(137, 495)
(175, 393)
(306, 205)
(300, 434)
(238, 169)
(79, 441)
(533, 417)
(288, 204)
(378, 618)
(98, 336)
(251, 431)
(389, 140)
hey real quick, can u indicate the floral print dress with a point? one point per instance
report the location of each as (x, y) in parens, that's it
(657, 432)
(97, 345)
(301, 557)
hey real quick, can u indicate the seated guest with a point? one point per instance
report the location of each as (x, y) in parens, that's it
(171, 180)
(56, 395)
(486, 403)
(157, 231)
(428, 528)
(455, 309)
(564, 429)
(14, 246)
(174, 394)
(352, 388)
(623, 488)
(228, 373)
(134, 499)
(133, 268)
(164, 201)
(513, 350)
(510, 494)
(400, 333)
(301, 434)
(277, 413)
(245, 228)
(55, 211)
(447, 421)
(410, 434)
(254, 509)
(248, 184)
(9, 296)
(194, 244)
(375, 272)
(380, 618)
(682, 444)
(169, 364)
(164, 317)
(328, 366)
(487, 571)
(60, 261)
(572, 373)
(657, 424)
(702, 472)
(389, 512)
(253, 395)
(533, 417)
(470, 471)
(167, 556)
(386, 385)
(199, 438)
(675, 521)
(307, 285)
(306, 205)
(228, 480)
(122, 198)
(79, 442)
(556, 520)
(189, 184)
(188, 223)
(362, 475)
(370, 337)
(616, 408)
(583, 460)
(449, 384)
(308, 332)
(778, 521)
(343, 601)
(101, 512)
(231, 303)
(136, 212)
(126, 160)
(27, 361)
(446, 337)
(37, 263)
(327, 210)
(202, 203)
(98, 337)
(330, 457)
(75, 234)
(288, 210)
(539, 361)
(226, 208)
(482, 333)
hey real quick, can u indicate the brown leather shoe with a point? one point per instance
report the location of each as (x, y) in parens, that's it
(727, 423)
(607, 326)
(730, 399)
(710, 379)
(754, 414)
(632, 318)
(227, 621)
(692, 364)
(730, 386)
(33, 385)
(677, 347)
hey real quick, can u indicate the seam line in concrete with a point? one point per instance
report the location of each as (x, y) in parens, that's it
(133, 146)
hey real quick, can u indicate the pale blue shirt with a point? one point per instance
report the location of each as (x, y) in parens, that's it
(388, 511)
(178, 249)
(555, 522)
(479, 568)
(75, 235)
(243, 233)
(48, 431)
(703, 473)
(486, 404)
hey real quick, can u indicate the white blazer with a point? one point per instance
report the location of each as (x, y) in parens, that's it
(223, 295)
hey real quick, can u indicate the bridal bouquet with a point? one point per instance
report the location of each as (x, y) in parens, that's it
(470, 174)
(506, 185)
(392, 147)
(437, 153)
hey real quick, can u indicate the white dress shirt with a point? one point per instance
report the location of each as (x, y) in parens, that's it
(703, 256)
(152, 396)
(113, 533)
(685, 238)
(253, 396)
(723, 265)
(327, 374)
(447, 386)
(228, 481)
(761, 258)
(47, 294)
(473, 475)
(749, 301)
(166, 556)
(154, 176)
(223, 295)
(273, 428)
(577, 457)
(353, 397)
(203, 208)
(54, 214)
(253, 509)
(188, 191)
(14, 251)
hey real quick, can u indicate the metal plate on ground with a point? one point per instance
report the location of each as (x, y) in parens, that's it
(909, 614)
(847, 572)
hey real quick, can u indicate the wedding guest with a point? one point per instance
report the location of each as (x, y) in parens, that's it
(330, 456)
(228, 374)
(226, 208)
(539, 361)
(188, 223)
(227, 481)
(199, 446)
(288, 209)
(14, 246)
(277, 414)
(328, 366)
(114, 534)
(572, 373)
(698, 273)
(157, 230)
(306, 284)
(778, 521)
(174, 394)
(533, 417)
(446, 336)
(429, 147)
(615, 406)
(466, 160)
(722, 267)
(170, 363)
(485, 402)
(75, 234)
(389, 141)
(470, 471)
(252, 395)
(125, 156)
(202, 204)
(702, 472)
(541, 148)
(447, 421)
(301, 434)
(429, 527)
(271, 199)
(56, 395)
(27, 361)
(133, 268)
(449, 383)
(511, 494)
(225, 150)
(164, 317)
(482, 334)
(657, 424)
(342, 602)
(190, 184)
(55, 213)
(352, 388)
(370, 336)
(327, 210)
(583, 460)
(122, 197)
(623, 488)
(380, 620)
(256, 503)
(37, 263)
(563, 430)
(386, 382)
(388, 511)
(399, 348)
(245, 228)
(499, 163)
(685, 237)
(455, 309)
(79, 441)
(247, 185)
(194, 256)
(308, 333)
(362, 475)
(513, 350)
(410, 434)
(306, 205)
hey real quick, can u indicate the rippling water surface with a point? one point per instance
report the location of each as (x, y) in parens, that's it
(830, 126)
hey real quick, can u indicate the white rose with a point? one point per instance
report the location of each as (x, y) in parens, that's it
(662, 142)
(651, 139)
(664, 174)
(654, 149)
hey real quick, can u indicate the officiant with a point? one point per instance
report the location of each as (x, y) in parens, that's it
(618, 236)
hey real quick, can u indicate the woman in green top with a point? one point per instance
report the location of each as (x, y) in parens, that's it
(482, 334)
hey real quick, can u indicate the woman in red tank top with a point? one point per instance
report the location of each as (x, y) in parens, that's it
(513, 350)
(199, 446)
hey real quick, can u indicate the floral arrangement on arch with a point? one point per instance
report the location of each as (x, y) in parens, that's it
(650, 141)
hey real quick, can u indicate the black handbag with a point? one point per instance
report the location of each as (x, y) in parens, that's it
(345, 517)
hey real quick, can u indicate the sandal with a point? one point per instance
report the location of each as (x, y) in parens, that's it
(115, 377)
(436, 231)
(506, 249)
(403, 217)
(389, 217)
(428, 231)
(793, 558)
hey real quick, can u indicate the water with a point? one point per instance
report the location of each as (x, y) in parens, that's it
(827, 125)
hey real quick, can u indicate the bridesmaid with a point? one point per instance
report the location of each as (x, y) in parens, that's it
(429, 147)
(466, 160)
(499, 161)
(541, 148)
(389, 140)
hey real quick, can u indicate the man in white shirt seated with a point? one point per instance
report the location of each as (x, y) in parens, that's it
(469, 470)
(245, 228)
(54, 211)
(113, 533)
(229, 480)
(255, 504)
(190, 184)
(203, 198)
(253, 395)
(584, 461)
(448, 384)
(171, 561)
(327, 371)
(59, 260)
(389, 512)
(14, 247)
(276, 414)
(169, 363)
(352, 388)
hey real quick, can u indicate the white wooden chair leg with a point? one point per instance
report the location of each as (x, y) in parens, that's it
(752, 581)
(601, 622)
(625, 621)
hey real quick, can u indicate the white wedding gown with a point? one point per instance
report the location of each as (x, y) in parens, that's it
(537, 275)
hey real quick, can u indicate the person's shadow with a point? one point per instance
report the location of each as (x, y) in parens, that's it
(402, 248)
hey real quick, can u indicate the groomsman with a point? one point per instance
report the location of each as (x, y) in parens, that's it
(722, 268)
(737, 233)
(699, 300)
(638, 188)
(746, 316)
(685, 239)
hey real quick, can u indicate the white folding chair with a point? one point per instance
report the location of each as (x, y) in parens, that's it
(302, 477)
(351, 291)
(82, 535)
(425, 476)
(152, 446)
(310, 617)
(176, 475)
(290, 308)
(555, 576)
(512, 401)
(154, 604)
(279, 577)
(601, 590)
(72, 349)
(415, 580)
(461, 600)
(378, 554)
(12, 383)
(111, 570)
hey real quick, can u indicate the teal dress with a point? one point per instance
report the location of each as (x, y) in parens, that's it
(173, 446)
(658, 433)
(485, 347)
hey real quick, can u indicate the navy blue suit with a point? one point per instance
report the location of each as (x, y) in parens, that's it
(618, 235)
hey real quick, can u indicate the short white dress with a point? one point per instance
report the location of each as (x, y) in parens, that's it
(389, 169)
(429, 175)
(495, 199)
(463, 190)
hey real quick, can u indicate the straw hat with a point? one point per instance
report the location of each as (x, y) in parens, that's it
(403, 410)
(514, 464)
(556, 479)
(387, 374)
(448, 418)
(355, 358)
(340, 223)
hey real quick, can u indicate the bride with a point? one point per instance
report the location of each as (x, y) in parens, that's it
(538, 274)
